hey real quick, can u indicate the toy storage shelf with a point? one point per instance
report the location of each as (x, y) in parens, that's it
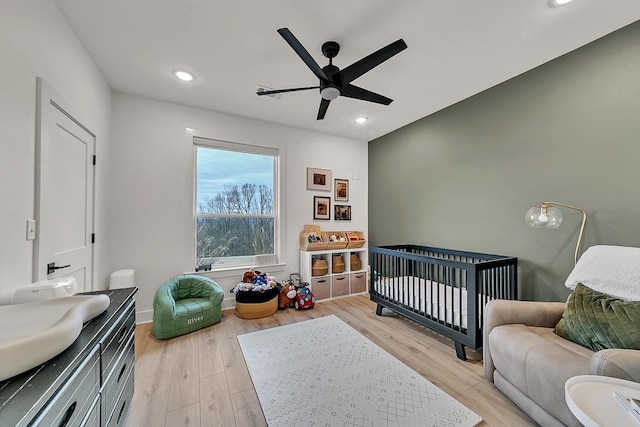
(351, 280)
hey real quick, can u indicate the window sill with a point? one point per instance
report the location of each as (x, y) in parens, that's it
(237, 270)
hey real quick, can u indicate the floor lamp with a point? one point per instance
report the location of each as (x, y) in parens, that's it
(546, 215)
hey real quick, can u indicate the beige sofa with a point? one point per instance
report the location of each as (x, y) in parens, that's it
(530, 364)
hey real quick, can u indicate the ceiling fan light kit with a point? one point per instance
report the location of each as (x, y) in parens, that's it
(334, 82)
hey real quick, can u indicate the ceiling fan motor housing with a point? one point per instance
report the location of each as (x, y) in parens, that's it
(330, 49)
(330, 89)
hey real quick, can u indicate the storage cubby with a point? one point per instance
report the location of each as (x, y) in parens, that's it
(345, 273)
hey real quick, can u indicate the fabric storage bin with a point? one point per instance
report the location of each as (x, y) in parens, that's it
(321, 288)
(358, 282)
(339, 285)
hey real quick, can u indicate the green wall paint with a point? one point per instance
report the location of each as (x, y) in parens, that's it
(567, 131)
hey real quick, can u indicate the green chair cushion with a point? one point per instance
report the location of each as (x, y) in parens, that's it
(598, 321)
(185, 304)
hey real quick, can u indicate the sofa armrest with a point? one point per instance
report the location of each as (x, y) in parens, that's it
(509, 312)
(617, 363)
(164, 302)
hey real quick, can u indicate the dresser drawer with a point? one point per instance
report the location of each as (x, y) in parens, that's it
(321, 288)
(93, 416)
(119, 415)
(72, 402)
(116, 380)
(358, 282)
(116, 337)
(339, 285)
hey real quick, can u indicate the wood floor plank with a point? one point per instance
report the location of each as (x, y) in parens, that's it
(238, 377)
(215, 402)
(189, 416)
(185, 377)
(152, 356)
(206, 369)
(209, 352)
(246, 407)
(150, 401)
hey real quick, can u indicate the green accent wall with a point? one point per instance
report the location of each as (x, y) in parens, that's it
(567, 131)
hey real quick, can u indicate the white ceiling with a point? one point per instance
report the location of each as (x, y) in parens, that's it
(456, 49)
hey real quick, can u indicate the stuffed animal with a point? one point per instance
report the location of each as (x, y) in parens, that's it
(249, 276)
(241, 287)
(286, 297)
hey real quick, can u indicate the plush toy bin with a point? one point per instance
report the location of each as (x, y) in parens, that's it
(255, 304)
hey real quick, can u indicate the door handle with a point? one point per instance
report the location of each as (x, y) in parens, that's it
(51, 267)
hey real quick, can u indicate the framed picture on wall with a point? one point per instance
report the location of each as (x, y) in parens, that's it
(318, 179)
(321, 207)
(341, 190)
(342, 213)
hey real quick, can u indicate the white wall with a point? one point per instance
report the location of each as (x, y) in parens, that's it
(36, 40)
(150, 212)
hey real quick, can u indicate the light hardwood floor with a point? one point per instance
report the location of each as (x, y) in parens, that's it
(200, 379)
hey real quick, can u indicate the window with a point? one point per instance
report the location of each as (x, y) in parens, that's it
(235, 203)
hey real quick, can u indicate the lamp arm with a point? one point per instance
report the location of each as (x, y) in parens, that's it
(584, 222)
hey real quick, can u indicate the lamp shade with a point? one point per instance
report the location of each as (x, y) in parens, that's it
(543, 216)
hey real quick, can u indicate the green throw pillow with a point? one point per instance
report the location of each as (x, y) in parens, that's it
(598, 321)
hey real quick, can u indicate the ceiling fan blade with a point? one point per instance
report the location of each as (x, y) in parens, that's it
(294, 89)
(302, 53)
(360, 67)
(351, 91)
(324, 104)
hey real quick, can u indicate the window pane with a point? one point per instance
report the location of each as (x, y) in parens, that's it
(221, 238)
(231, 182)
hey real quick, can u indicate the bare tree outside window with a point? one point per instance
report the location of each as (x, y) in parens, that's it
(234, 222)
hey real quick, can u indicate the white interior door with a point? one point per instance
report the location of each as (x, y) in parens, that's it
(64, 192)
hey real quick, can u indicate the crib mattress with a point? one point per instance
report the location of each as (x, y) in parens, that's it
(442, 302)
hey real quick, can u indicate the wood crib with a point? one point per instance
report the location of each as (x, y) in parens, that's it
(444, 290)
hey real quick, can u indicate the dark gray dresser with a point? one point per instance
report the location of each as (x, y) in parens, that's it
(89, 384)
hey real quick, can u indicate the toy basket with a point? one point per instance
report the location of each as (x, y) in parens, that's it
(319, 267)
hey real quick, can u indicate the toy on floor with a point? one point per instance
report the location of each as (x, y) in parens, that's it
(304, 298)
(287, 296)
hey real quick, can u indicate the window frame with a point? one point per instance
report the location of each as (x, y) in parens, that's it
(204, 142)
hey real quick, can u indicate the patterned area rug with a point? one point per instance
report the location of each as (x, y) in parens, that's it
(324, 373)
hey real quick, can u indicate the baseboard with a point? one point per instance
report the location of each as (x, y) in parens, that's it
(144, 316)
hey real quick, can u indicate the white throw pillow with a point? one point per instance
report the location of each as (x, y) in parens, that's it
(613, 270)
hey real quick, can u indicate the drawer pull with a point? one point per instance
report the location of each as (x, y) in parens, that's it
(122, 333)
(124, 404)
(67, 416)
(121, 373)
(322, 281)
(359, 276)
(341, 278)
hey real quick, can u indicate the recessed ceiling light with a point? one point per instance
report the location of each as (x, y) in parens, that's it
(183, 75)
(361, 120)
(560, 2)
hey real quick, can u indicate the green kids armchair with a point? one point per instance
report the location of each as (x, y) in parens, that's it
(185, 304)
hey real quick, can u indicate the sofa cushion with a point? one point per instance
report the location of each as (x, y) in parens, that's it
(599, 321)
(538, 363)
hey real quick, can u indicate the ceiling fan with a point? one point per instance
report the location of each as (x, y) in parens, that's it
(333, 81)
